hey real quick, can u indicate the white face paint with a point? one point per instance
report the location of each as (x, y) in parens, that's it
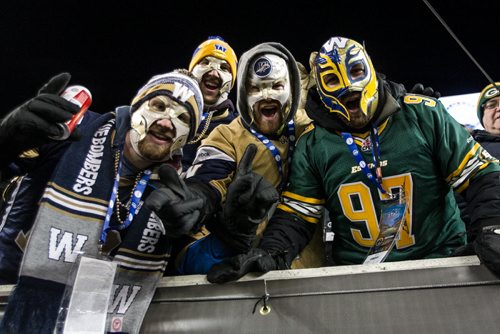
(222, 67)
(160, 107)
(268, 78)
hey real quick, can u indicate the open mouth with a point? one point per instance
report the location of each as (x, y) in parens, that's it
(352, 101)
(352, 104)
(269, 110)
(212, 83)
(160, 136)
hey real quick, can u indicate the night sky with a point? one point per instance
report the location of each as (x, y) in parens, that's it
(113, 47)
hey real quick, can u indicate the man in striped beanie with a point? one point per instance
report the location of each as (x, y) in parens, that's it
(91, 201)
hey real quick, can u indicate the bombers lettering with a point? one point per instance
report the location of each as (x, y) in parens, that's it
(356, 169)
(151, 235)
(88, 174)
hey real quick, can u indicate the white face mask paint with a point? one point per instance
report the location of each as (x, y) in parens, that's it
(208, 64)
(160, 107)
(268, 78)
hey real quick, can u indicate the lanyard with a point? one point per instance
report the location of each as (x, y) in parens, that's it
(274, 151)
(376, 179)
(136, 198)
(376, 157)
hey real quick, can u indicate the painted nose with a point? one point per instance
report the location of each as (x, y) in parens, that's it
(166, 123)
(214, 72)
(266, 94)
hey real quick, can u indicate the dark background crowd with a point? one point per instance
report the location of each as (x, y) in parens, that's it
(113, 46)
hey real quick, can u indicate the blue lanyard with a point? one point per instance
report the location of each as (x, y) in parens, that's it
(274, 151)
(136, 198)
(377, 178)
(376, 157)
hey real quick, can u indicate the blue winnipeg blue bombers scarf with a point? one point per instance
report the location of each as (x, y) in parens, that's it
(69, 222)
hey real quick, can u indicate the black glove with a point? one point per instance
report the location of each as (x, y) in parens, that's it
(256, 260)
(249, 194)
(31, 124)
(179, 208)
(487, 247)
(427, 91)
(465, 250)
(249, 198)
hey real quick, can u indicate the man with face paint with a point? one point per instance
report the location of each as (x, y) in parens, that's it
(365, 148)
(92, 196)
(244, 165)
(214, 64)
(268, 89)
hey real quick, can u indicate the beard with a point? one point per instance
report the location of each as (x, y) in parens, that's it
(268, 127)
(152, 151)
(357, 121)
(268, 117)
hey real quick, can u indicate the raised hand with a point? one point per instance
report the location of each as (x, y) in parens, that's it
(179, 208)
(428, 91)
(249, 198)
(249, 193)
(31, 124)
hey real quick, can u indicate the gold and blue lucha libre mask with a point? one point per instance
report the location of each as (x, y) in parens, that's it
(339, 57)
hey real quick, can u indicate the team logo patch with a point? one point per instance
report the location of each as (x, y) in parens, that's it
(116, 324)
(220, 48)
(262, 67)
(492, 92)
(366, 145)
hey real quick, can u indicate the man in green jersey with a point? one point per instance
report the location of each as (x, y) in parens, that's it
(364, 146)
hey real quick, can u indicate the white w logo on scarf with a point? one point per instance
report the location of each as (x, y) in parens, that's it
(123, 298)
(65, 245)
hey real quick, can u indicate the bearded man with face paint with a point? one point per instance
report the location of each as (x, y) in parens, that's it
(92, 200)
(366, 147)
(243, 165)
(214, 64)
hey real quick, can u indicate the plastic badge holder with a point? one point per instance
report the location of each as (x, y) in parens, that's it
(86, 298)
(392, 218)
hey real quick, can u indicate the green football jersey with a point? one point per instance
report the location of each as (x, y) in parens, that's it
(423, 150)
